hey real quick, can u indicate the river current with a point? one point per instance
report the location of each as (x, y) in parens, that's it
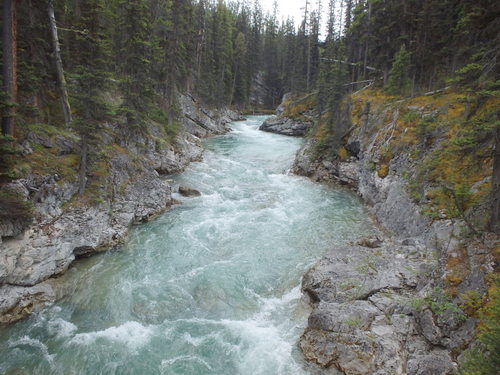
(210, 287)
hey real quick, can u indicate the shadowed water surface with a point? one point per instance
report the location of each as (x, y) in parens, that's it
(211, 287)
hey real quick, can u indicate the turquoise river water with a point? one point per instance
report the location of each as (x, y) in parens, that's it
(210, 287)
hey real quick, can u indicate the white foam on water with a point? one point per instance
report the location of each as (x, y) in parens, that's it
(271, 304)
(55, 309)
(263, 345)
(197, 341)
(61, 328)
(166, 363)
(262, 350)
(268, 346)
(132, 334)
(34, 343)
(198, 270)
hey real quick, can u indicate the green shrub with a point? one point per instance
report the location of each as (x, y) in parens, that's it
(472, 301)
(485, 359)
(442, 305)
(13, 206)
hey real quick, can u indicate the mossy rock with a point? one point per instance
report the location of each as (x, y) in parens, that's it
(383, 170)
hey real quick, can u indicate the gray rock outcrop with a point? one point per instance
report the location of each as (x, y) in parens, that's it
(286, 126)
(297, 125)
(363, 319)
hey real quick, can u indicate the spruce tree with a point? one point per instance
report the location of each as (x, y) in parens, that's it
(90, 80)
(9, 66)
(133, 52)
(399, 78)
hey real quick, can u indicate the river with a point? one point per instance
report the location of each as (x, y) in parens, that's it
(210, 287)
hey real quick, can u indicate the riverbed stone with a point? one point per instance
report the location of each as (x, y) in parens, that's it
(188, 192)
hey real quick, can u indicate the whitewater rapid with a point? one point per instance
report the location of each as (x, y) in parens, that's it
(210, 287)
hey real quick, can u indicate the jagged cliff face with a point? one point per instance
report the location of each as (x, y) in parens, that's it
(125, 187)
(398, 307)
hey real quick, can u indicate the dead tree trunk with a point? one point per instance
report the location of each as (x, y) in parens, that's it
(61, 81)
(495, 193)
(9, 69)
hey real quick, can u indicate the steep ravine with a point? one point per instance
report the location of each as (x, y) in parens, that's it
(210, 287)
(126, 187)
(398, 304)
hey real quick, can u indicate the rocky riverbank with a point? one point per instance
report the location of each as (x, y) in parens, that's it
(294, 117)
(127, 188)
(286, 126)
(400, 305)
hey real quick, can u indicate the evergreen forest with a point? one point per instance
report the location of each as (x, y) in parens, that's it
(77, 52)
(94, 123)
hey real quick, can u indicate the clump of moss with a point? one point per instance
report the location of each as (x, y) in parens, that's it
(472, 301)
(383, 170)
(296, 107)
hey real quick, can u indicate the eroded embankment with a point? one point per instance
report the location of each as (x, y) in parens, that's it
(124, 187)
(407, 304)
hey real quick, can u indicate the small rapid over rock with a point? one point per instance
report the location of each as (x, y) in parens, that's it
(210, 287)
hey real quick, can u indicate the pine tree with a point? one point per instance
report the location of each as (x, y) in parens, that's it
(61, 77)
(90, 79)
(399, 78)
(9, 66)
(270, 59)
(133, 51)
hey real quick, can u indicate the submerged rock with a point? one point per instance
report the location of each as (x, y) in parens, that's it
(188, 192)
(286, 126)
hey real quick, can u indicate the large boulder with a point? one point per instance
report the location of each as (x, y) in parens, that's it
(286, 126)
(362, 322)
